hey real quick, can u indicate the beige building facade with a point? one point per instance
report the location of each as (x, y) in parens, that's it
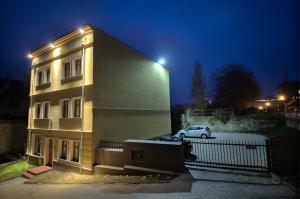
(87, 86)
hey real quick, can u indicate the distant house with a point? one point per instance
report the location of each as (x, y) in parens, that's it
(87, 86)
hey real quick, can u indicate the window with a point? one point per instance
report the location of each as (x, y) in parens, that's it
(65, 108)
(78, 67)
(36, 144)
(43, 76)
(46, 110)
(76, 107)
(64, 149)
(38, 112)
(67, 69)
(47, 71)
(40, 78)
(75, 151)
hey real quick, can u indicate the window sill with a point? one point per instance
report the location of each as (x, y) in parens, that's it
(43, 86)
(70, 118)
(71, 79)
(35, 156)
(41, 119)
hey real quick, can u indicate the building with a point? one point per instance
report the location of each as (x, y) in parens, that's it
(87, 86)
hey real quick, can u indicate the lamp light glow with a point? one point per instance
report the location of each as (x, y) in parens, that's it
(56, 52)
(281, 97)
(52, 45)
(29, 56)
(268, 104)
(81, 30)
(260, 108)
(161, 61)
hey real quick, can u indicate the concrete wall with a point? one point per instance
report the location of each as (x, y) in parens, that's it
(130, 92)
(156, 155)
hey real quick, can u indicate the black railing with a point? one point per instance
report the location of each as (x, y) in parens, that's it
(230, 154)
(111, 144)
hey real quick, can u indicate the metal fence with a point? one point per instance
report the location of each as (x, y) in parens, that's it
(230, 154)
(111, 144)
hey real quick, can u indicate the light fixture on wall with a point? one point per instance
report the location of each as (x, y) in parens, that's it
(29, 56)
(81, 30)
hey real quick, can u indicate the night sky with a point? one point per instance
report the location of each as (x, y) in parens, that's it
(261, 35)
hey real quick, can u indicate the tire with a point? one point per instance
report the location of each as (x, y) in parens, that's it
(203, 136)
(182, 135)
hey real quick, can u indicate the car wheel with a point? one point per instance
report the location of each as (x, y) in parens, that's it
(182, 135)
(203, 136)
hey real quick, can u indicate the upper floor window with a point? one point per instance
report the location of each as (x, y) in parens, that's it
(76, 107)
(67, 70)
(43, 76)
(38, 112)
(65, 108)
(70, 107)
(71, 68)
(77, 68)
(42, 110)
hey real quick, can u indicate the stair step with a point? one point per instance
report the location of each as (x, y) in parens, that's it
(27, 175)
(39, 170)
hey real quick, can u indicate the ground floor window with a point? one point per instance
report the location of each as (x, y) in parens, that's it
(69, 150)
(36, 144)
(75, 152)
(63, 149)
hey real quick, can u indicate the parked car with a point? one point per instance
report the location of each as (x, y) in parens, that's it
(195, 131)
(186, 144)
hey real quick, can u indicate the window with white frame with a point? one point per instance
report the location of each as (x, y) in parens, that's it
(46, 110)
(67, 69)
(77, 67)
(65, 108)
(38, 110)
(43, 76)
(63, 149)
(72, 68)
(36, 144)
(76, 107)
(74, 151)
(42, 110)
(70, 107)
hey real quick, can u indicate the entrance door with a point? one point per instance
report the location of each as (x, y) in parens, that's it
(50, 152)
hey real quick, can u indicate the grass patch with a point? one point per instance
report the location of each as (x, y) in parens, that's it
(280, 130)
(62, 177)
(14, 170)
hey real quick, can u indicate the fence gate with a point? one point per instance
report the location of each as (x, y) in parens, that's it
(230, 154)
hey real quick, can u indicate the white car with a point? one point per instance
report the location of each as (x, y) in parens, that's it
(195, 131)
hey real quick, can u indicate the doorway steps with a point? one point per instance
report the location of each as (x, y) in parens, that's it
(36, 171)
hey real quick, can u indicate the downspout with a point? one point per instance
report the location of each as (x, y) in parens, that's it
(32, 78)
(82, 104)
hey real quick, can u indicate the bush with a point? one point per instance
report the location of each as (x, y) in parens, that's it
(221, 115)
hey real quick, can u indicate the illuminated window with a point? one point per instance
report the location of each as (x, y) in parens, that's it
(36, 144)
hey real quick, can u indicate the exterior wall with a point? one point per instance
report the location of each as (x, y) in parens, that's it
(130, 92)
(56, 127)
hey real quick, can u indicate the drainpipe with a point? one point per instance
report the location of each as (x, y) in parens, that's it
(32, 78)
(82, 104)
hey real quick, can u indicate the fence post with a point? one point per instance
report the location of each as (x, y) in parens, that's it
(268, 155)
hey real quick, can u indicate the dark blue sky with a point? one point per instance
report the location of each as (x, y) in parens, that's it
(261, 35)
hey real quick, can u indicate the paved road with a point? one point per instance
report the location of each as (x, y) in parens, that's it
(238, 136)
(16, 189)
